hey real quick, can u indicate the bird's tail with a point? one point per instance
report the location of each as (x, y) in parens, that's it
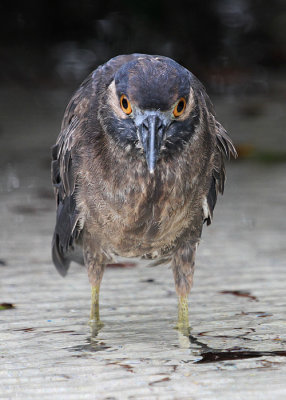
(62, 259)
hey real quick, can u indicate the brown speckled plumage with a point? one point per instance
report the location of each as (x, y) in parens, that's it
(109, 201)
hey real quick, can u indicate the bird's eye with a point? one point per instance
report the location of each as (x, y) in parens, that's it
(180, 107)
(125, 105)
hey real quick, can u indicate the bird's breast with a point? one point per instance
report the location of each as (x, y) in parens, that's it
(144, 218)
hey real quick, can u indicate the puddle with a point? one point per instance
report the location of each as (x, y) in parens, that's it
(92, 343)
(91, 346)
(210, 355)
(232, 354)
(239, 293)
(202, 351)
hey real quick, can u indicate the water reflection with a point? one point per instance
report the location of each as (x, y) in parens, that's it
(92, 342)
(95, 327)
(200, 352)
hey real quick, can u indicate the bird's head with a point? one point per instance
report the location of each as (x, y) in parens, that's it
(150, 107)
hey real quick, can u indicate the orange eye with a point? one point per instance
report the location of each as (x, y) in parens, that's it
(125, 105)
(180, 107)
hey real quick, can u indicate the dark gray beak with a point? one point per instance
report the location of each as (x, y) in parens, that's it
(151, 132)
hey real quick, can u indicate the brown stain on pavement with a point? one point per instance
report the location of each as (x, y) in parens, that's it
(239, 293)
(260, 314)
(24, 330)
(159, 381)
(125, 366)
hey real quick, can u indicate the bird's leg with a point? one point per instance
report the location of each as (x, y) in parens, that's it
(94, 310)
(183, 269)
(95, 274)
(183, 311)
(95, 263)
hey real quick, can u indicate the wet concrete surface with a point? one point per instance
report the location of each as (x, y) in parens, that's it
(237, 345)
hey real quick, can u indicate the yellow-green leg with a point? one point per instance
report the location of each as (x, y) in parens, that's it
(94, 321)
(95, 267)
(183, 315)
(183, 264)
(94, 311)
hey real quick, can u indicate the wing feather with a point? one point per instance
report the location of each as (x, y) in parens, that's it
(64, 178)
(223, 150)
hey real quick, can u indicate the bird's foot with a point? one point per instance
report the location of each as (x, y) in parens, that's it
(183, 316)
(95, 327)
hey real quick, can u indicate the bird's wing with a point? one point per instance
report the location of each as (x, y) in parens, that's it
(64, 154)
(64, 177)
(224, 148)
